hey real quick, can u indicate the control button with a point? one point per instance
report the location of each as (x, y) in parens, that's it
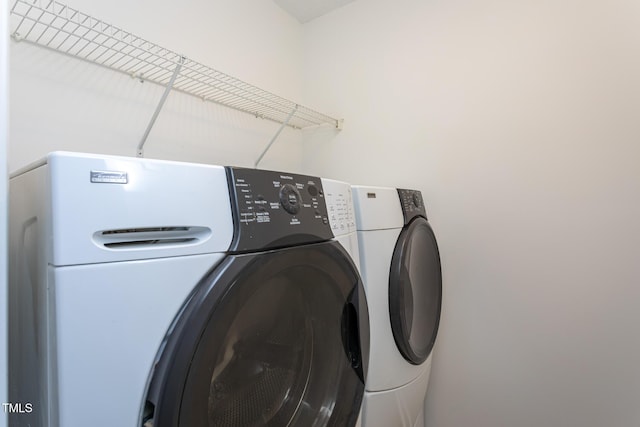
(325, 220)
(313, 190)
(416, 200)
(290, 198)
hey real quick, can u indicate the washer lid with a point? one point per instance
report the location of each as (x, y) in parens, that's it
(415, 291)
(279, 338)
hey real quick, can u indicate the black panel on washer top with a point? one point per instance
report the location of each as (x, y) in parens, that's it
(412, 204)
(276, 209)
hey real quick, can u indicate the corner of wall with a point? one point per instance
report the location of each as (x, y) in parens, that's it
(4, 121)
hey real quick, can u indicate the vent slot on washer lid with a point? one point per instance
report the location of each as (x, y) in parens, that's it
(149, 237)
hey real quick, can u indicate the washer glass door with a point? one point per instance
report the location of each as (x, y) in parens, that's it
(271, 339)
(415, 291)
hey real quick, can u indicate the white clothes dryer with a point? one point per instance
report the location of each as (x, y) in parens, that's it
(400, 265)
(148, 293)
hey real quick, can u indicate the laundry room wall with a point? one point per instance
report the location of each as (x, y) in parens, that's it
(4, 133)
(62, 103)
(519, 122)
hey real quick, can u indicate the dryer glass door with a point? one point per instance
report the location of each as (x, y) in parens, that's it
(415, 291)
(272, 339)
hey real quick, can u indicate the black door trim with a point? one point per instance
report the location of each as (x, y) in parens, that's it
(171, 374)
(401, 295)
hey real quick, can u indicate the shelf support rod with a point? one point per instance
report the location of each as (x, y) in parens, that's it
(176, 71)
(286, 122)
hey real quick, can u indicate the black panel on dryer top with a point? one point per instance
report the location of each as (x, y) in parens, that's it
(412, 204)
(276, 209)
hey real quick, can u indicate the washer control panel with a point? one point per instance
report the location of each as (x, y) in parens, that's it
(412, 204)
(276, 209)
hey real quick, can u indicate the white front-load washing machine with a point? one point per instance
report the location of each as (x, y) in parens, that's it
(148, 293)
(400, 265)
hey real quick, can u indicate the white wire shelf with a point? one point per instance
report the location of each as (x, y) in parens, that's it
(61, 28)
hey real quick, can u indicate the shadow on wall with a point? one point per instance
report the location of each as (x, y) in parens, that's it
(79, 106)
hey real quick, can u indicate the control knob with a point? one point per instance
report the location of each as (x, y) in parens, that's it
(416, 200)
(290, 198)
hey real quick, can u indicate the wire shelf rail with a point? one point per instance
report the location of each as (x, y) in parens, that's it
(56, 26)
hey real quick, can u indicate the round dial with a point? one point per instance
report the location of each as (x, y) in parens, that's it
(290, 198)
(416, 200)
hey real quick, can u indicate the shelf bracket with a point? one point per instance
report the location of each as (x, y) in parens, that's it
(176, 71)
(282, 126)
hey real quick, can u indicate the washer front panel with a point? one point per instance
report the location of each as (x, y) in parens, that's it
(110, 320)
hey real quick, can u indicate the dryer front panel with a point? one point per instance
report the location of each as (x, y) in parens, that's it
(278, 338)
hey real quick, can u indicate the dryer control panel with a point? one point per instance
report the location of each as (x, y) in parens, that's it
(412, 204)
(276, 209)
(339, 199)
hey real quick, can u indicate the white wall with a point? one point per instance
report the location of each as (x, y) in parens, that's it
(61, 103)
(4, 121)
(519, 121)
